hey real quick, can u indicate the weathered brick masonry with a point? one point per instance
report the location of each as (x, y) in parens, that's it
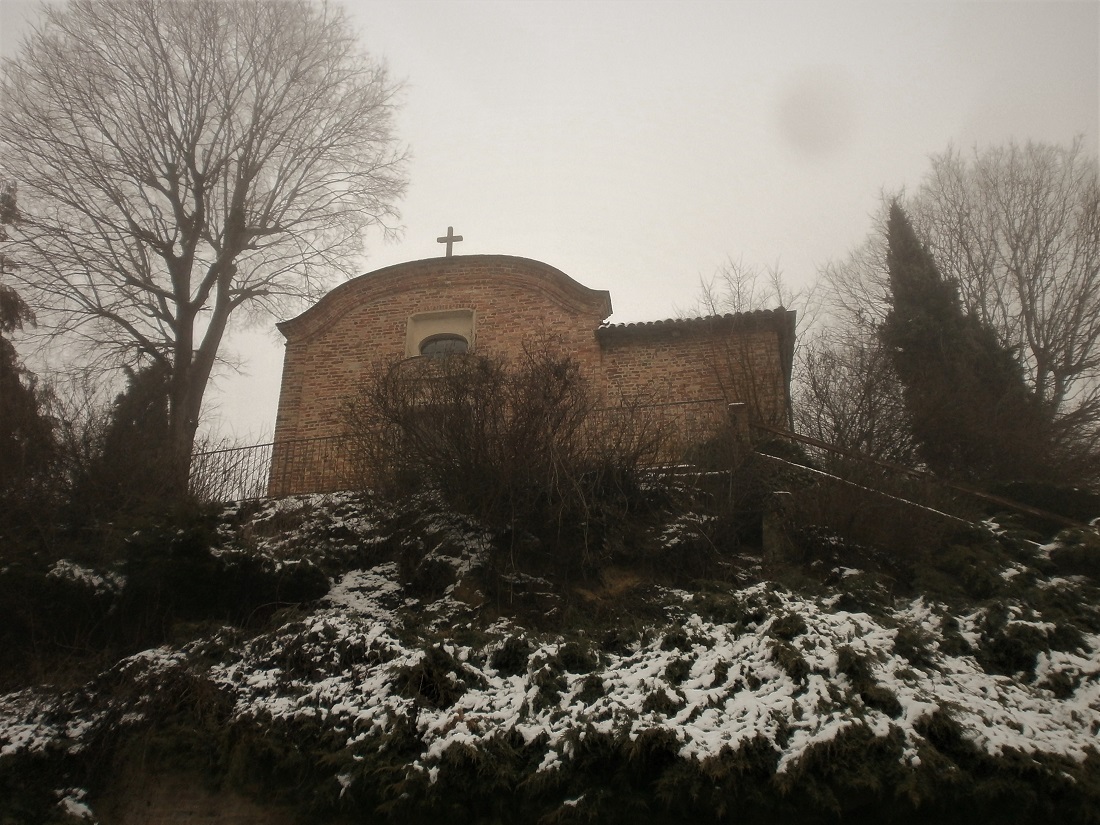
(501, 302)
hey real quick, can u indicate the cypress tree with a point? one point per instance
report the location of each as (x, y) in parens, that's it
(130, 471)
(970, 409)
(28, 444)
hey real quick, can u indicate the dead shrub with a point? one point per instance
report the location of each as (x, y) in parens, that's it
(522, 445)
(882, 528)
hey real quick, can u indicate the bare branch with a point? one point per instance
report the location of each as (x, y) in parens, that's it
(1017, 230)
(179, 161)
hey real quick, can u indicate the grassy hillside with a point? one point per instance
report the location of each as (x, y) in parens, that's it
(353, 659)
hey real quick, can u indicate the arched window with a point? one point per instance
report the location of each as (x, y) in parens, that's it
(440, 332)
(444, 344)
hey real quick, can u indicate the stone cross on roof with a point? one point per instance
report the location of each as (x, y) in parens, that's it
(450, 239)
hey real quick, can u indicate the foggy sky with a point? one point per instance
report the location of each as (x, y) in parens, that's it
(638, 145)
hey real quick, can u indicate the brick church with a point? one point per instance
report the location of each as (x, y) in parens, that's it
(491, 305)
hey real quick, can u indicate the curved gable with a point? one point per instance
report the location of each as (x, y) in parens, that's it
(376, 287)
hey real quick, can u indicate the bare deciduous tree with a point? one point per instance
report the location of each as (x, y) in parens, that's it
(179, 162)
(848, 394)
(1017, 230)
(740, 287)
(519, 443)
(737, 287)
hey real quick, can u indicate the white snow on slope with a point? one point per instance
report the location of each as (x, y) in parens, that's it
(346, 666)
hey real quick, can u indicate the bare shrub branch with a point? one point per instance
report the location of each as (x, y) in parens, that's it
(521, 444)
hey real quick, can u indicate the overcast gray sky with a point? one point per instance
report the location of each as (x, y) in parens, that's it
(637, 145)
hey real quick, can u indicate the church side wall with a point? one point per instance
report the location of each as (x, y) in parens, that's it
(696, 365)
(688, 377)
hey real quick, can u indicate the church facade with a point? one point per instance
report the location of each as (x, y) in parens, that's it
(494, 305)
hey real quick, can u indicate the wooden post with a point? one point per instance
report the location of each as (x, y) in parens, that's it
(738, 414)
(777, 547)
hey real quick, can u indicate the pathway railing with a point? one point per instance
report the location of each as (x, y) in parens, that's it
(232, 473)
(692, 431)
(838, 459)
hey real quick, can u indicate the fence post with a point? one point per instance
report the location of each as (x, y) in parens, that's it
(777, 545)
(737, 414)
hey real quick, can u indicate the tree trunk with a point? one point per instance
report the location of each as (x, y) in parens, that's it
(190, 375)
(182, 427)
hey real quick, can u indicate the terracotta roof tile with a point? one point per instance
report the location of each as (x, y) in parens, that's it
(748, 319)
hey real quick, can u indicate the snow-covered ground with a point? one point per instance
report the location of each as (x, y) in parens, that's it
(789, 669)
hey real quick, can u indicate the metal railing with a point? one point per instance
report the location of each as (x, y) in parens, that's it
(919, 482)
(312, 465)
(232, 473)
(327, 463)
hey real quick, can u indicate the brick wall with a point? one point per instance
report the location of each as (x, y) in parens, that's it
(733, 358)
(360, 327)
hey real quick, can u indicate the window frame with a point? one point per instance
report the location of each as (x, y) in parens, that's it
(440, 337)
(421, 327)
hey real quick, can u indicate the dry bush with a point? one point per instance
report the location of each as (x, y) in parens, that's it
(866, 519)
(522, 445)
